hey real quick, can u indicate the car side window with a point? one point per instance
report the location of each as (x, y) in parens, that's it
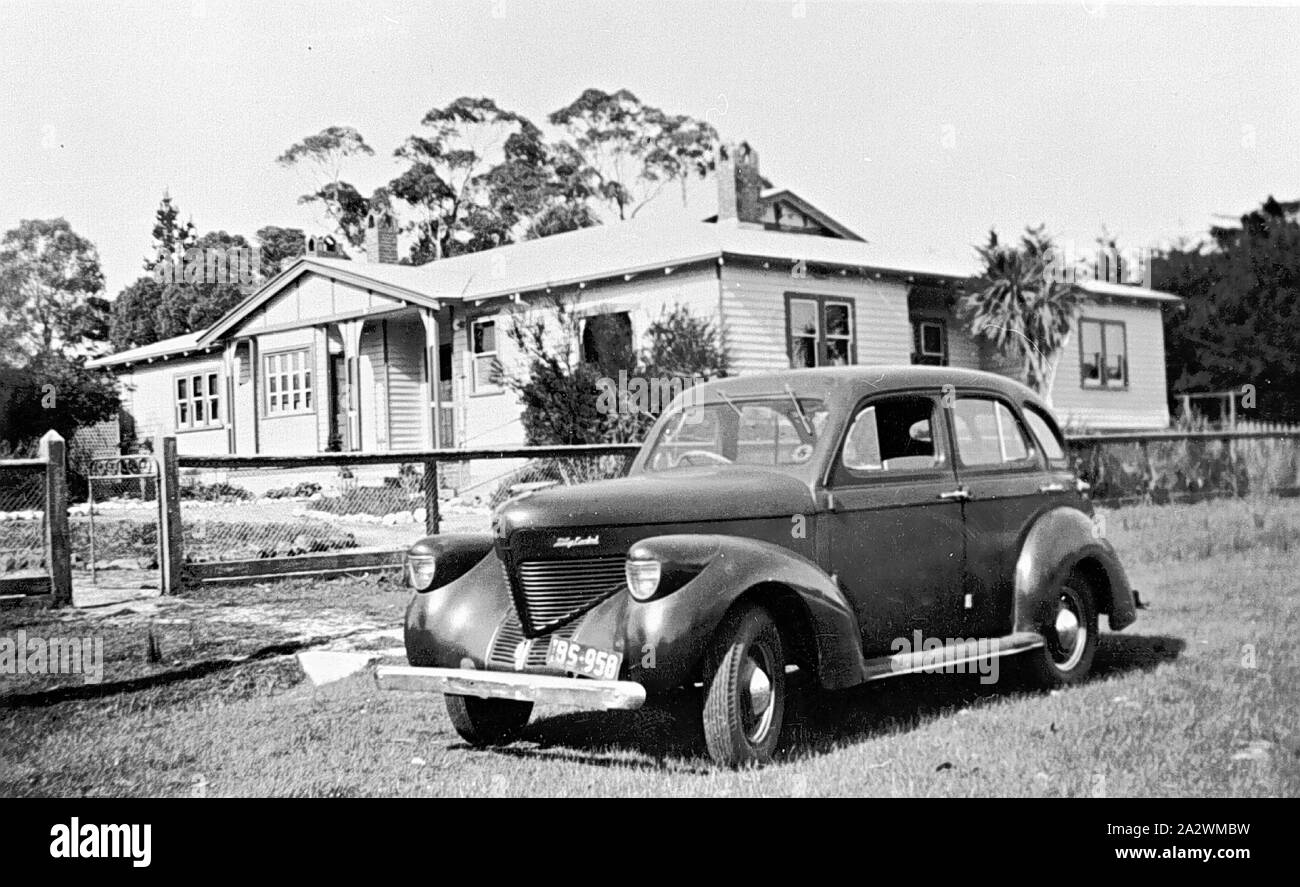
(988, 435)
(1047, 434)
(890, 437)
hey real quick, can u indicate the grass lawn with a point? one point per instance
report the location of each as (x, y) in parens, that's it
(1198, 698)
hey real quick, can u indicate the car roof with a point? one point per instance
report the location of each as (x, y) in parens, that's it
(860, 381)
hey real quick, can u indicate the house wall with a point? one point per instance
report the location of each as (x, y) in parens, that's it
(296, 433)
(149, 394)
(754, 314)
(1145, 402)
(494, 419)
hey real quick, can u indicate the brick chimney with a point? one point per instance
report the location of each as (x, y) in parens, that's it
(325, 246)
(739, 184)
(381, 237)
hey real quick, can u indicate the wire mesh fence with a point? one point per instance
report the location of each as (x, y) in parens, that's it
(1188, 467)
(235, 513)
(22, 521)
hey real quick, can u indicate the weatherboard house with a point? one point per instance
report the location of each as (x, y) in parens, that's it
(376, 356)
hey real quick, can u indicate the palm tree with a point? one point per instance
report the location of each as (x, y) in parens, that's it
(1022, 308)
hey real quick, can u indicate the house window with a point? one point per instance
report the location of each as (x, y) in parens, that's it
(288, 383)
(820, 331)
(607, 340)
(483, 348)
(1104, 353)
(930, 339)
(198, 401)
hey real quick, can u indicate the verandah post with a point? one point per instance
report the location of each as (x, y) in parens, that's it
(58, 552)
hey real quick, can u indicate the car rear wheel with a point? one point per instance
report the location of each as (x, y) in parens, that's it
(1070, 635)
(488, 721)
(744, 689)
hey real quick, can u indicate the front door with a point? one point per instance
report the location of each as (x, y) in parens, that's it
(896, 540)
(338, 403)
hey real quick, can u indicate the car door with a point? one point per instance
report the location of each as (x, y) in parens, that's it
(895, 526)
(1000, 468)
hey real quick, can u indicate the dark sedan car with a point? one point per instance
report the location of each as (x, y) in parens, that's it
(853, 523)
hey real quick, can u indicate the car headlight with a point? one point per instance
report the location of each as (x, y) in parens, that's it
(420, 570)
(643, 578)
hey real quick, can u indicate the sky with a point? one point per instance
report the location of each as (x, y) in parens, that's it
(919, 126)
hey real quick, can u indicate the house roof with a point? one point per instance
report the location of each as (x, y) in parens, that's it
(153, 351)
(606, 251)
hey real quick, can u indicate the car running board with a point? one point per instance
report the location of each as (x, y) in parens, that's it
(956, 652)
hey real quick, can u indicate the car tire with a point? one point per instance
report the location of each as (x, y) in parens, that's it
(488, 721)
(1071, 638)
(744, 689)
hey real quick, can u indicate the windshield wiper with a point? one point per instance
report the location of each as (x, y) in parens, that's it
(798, 408)
(731, 403)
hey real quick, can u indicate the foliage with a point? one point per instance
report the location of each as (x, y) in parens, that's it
(1239, 323)
(280, 246)
(214, 492)
(1020, 308)
(58, 392)
(630, 150)
(49, 284)
(559, 390)
(324, 155)
(302, 490)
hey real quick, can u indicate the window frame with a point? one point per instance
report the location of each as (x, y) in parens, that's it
(1103, 384)
(918, 332)
(1036, 460)
(1028, 409)
(838, 476)
(477, 388)
(821, 337)
(208, 398)
(309, 391)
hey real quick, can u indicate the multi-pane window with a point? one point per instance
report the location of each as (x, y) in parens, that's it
(1104, 357)
(820, 331)
(288, 382)
(483, 349)
(198, 401)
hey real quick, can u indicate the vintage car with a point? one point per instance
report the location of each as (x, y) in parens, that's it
(812, 520)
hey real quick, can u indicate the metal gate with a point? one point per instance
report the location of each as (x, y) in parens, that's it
(123, 520)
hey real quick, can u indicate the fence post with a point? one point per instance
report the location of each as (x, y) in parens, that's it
(169, 524)
(58, 551)
(431, 497)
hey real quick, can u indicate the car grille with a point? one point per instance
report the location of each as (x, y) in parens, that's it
(510, 635)
(551, 592)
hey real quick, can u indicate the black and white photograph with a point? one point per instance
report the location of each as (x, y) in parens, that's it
(573, 399)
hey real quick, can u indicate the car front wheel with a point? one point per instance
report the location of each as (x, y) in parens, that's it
(488, 721)
(1070, 635)
(744, 689)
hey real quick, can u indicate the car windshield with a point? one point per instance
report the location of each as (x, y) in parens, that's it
(770, 431)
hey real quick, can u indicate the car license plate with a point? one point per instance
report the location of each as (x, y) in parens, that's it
(583, 660)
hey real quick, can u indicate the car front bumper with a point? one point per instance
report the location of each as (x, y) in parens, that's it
(519, 686)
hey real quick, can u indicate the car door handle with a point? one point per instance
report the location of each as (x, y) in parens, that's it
(958, 495)
(1052, 488)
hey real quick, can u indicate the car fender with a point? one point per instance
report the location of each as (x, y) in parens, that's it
(455, 554)
(1060, 541)
(667, 636)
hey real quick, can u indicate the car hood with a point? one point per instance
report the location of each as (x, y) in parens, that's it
(686, 495)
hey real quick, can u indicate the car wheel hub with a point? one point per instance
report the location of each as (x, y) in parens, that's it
(756, 686)
(1071, 636)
